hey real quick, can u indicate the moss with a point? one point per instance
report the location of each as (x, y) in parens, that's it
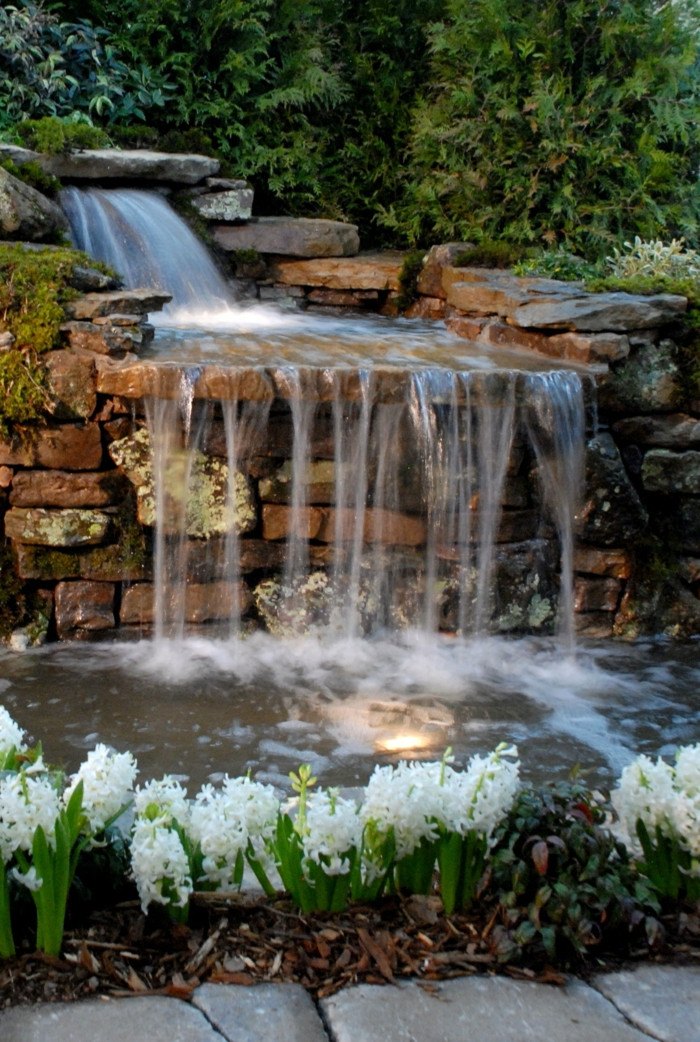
(52, 135)
(32, 174)
(687, 337)
(34, 288)
(23, 392)
(408, 279)
(14, 607)
(490, 255)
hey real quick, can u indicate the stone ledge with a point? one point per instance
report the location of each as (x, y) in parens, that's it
(291, 236)
(366, 271)
(105, 164)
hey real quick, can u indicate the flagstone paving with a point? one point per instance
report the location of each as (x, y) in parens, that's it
(649, 1001)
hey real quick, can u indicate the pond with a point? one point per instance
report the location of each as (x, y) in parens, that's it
(204, 707)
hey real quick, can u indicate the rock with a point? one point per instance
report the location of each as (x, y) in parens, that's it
(525, 593)
(612, 512)
(386, 527)
(592, 561)
(319, 483)
(467, 326)
(671, 472)
(487, 291)
(91, 280)
(500, 334)
(288, 611)
(136, 301)
(269, 1010)
(110, 164)
(59, 488)
(677, 431)
(66, 447)
(246, 383)
(234, 204)
(599, 594)
(72, 385)
(291, 237)
(431, 308)
(649, 380)
(666, 608)
(594, 625)
(207, 510)
(26, 214)
(367, 271)
(344, 298)
(113, 338)
(68, 527)
(280, 522)
(616, 312)
(83, 606)
(435, 261)
(204, 602)
(684, 517)
(102, 563)
(590, 347)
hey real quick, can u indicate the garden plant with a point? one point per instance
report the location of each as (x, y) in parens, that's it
(565, 871)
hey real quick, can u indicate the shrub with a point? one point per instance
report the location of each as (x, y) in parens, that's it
(564, 883)
(53, 68)
(571, 123)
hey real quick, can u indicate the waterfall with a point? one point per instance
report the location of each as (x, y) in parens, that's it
(411, 524)
(447, 507)
(141, 237)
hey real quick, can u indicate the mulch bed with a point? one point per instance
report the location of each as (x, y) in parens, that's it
(244, 940)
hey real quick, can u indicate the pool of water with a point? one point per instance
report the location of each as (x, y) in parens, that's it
(264, 335)
(204, 707)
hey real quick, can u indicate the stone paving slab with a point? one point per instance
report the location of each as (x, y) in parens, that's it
(143, 1019)
(664, 1001)
(476, 1009)
(263, 1011)
(657, 1002)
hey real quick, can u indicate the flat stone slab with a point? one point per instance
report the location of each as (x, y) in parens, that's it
(663, 1001)
(473, 1009)
(155, 1018)
(291, 237)
(265, 1011)
(597, 312)
(233, 204)
(117, 302)
(105, 164)
(379, 271)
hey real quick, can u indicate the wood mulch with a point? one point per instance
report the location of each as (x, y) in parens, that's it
(241, 939)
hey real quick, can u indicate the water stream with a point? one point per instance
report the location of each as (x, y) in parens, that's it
(377, 678)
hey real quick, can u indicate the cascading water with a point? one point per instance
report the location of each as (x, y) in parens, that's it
(415, 490)
(140, 236)
(414, 499)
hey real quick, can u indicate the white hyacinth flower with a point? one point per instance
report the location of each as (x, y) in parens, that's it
(406, 797)
(420, 799)
(11, 734)
(645, 792)
(26, 802)
(332, 829)
(164, 800)
(159, 865)
(108, 778)
(224, 821)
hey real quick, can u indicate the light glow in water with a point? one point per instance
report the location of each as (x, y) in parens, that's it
(207, 707)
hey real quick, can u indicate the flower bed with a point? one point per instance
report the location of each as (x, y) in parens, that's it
(550, 862)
